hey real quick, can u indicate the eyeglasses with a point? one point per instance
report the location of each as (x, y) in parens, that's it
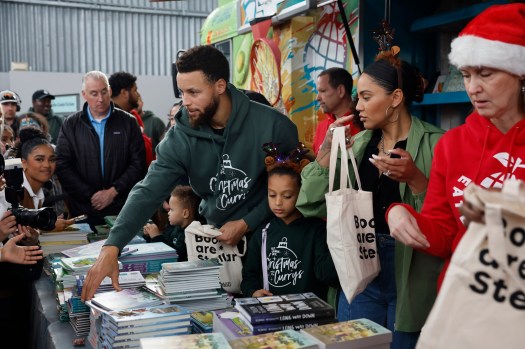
(171, 117)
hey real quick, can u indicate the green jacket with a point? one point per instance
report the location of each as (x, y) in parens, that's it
(55, 123)
(154, 128)
(416, 272)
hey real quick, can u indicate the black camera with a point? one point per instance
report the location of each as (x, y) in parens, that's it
(42, 218)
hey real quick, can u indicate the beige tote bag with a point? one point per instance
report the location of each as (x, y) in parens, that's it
(350, 224)
(481, 303)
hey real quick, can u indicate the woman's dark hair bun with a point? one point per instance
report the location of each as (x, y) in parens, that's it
(29, 133)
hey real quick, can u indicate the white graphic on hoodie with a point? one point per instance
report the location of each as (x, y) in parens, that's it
(496, 180)
(230, 185)
(283, 265)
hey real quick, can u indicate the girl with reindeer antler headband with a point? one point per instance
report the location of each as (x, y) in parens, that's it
(302, 240)
(394, 154)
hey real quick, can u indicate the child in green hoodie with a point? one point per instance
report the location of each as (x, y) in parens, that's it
(296, 258)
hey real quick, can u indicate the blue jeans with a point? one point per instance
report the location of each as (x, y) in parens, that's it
(378, 301)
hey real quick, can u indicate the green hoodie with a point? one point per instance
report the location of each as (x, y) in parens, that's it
(154, 127)
(297, 259)
(227, 171)
(416, 272)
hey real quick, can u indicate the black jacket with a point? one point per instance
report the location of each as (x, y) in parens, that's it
(78, 160)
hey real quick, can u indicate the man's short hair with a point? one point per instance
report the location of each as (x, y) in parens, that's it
(95, 75)
(207, 59)
(121, 81)
(339, 76)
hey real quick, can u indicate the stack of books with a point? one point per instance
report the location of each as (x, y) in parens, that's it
(76, 266)
(275, 313)
(125, 300)
(125, 328)
(202, 322)
(194, 285)
(280, 339)
(192, 341)
(361, 333)
(73, 236)
(148, 257)
(79, 312)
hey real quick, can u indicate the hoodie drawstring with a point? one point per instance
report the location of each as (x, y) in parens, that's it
(485, 141)
(510, 164)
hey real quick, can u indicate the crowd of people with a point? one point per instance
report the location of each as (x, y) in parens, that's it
(237, 164)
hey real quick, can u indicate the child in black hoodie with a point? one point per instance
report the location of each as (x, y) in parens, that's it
(183, 209)
(296, 256)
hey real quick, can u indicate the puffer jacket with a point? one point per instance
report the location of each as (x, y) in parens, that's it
(78, 160)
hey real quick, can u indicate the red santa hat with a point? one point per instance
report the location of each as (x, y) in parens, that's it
(495, 39)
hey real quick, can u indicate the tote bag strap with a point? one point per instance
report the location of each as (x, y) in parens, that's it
(338, 143)
(354, 165)
(264, 262)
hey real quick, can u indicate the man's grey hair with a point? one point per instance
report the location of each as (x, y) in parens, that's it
(95, 75)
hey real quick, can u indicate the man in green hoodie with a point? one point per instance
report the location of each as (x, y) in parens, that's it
(217, 142)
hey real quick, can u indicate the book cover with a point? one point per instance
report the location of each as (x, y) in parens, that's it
(285, 308)
(203, 319)
(353, 334)
(192, 341)
(92, 249)
(148, 315)
(229, 323)
(79, 263)
(130, 298)
(288, 339)
(147, 249)
(191, 266)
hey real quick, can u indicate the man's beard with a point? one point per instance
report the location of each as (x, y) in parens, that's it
(207, 115)
(134, 104)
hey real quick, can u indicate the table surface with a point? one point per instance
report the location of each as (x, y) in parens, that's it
(48, 331)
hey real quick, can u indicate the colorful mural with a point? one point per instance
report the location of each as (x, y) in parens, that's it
(308, 44)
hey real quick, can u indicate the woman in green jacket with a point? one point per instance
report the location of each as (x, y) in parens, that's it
(394, 155)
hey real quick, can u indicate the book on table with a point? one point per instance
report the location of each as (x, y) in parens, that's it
(126, 299)
(192, 341)
(229, 323)
(353, 334)
(284, 308)
(233, 325)
(202, 321)
(147, 316)
(281, 339)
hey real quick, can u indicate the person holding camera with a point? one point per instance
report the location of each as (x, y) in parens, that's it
(24, 189)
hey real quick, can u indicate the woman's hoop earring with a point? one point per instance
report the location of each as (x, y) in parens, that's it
(397, 117)
(386, 111)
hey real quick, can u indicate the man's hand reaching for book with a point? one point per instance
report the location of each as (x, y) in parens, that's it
(106, 265)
